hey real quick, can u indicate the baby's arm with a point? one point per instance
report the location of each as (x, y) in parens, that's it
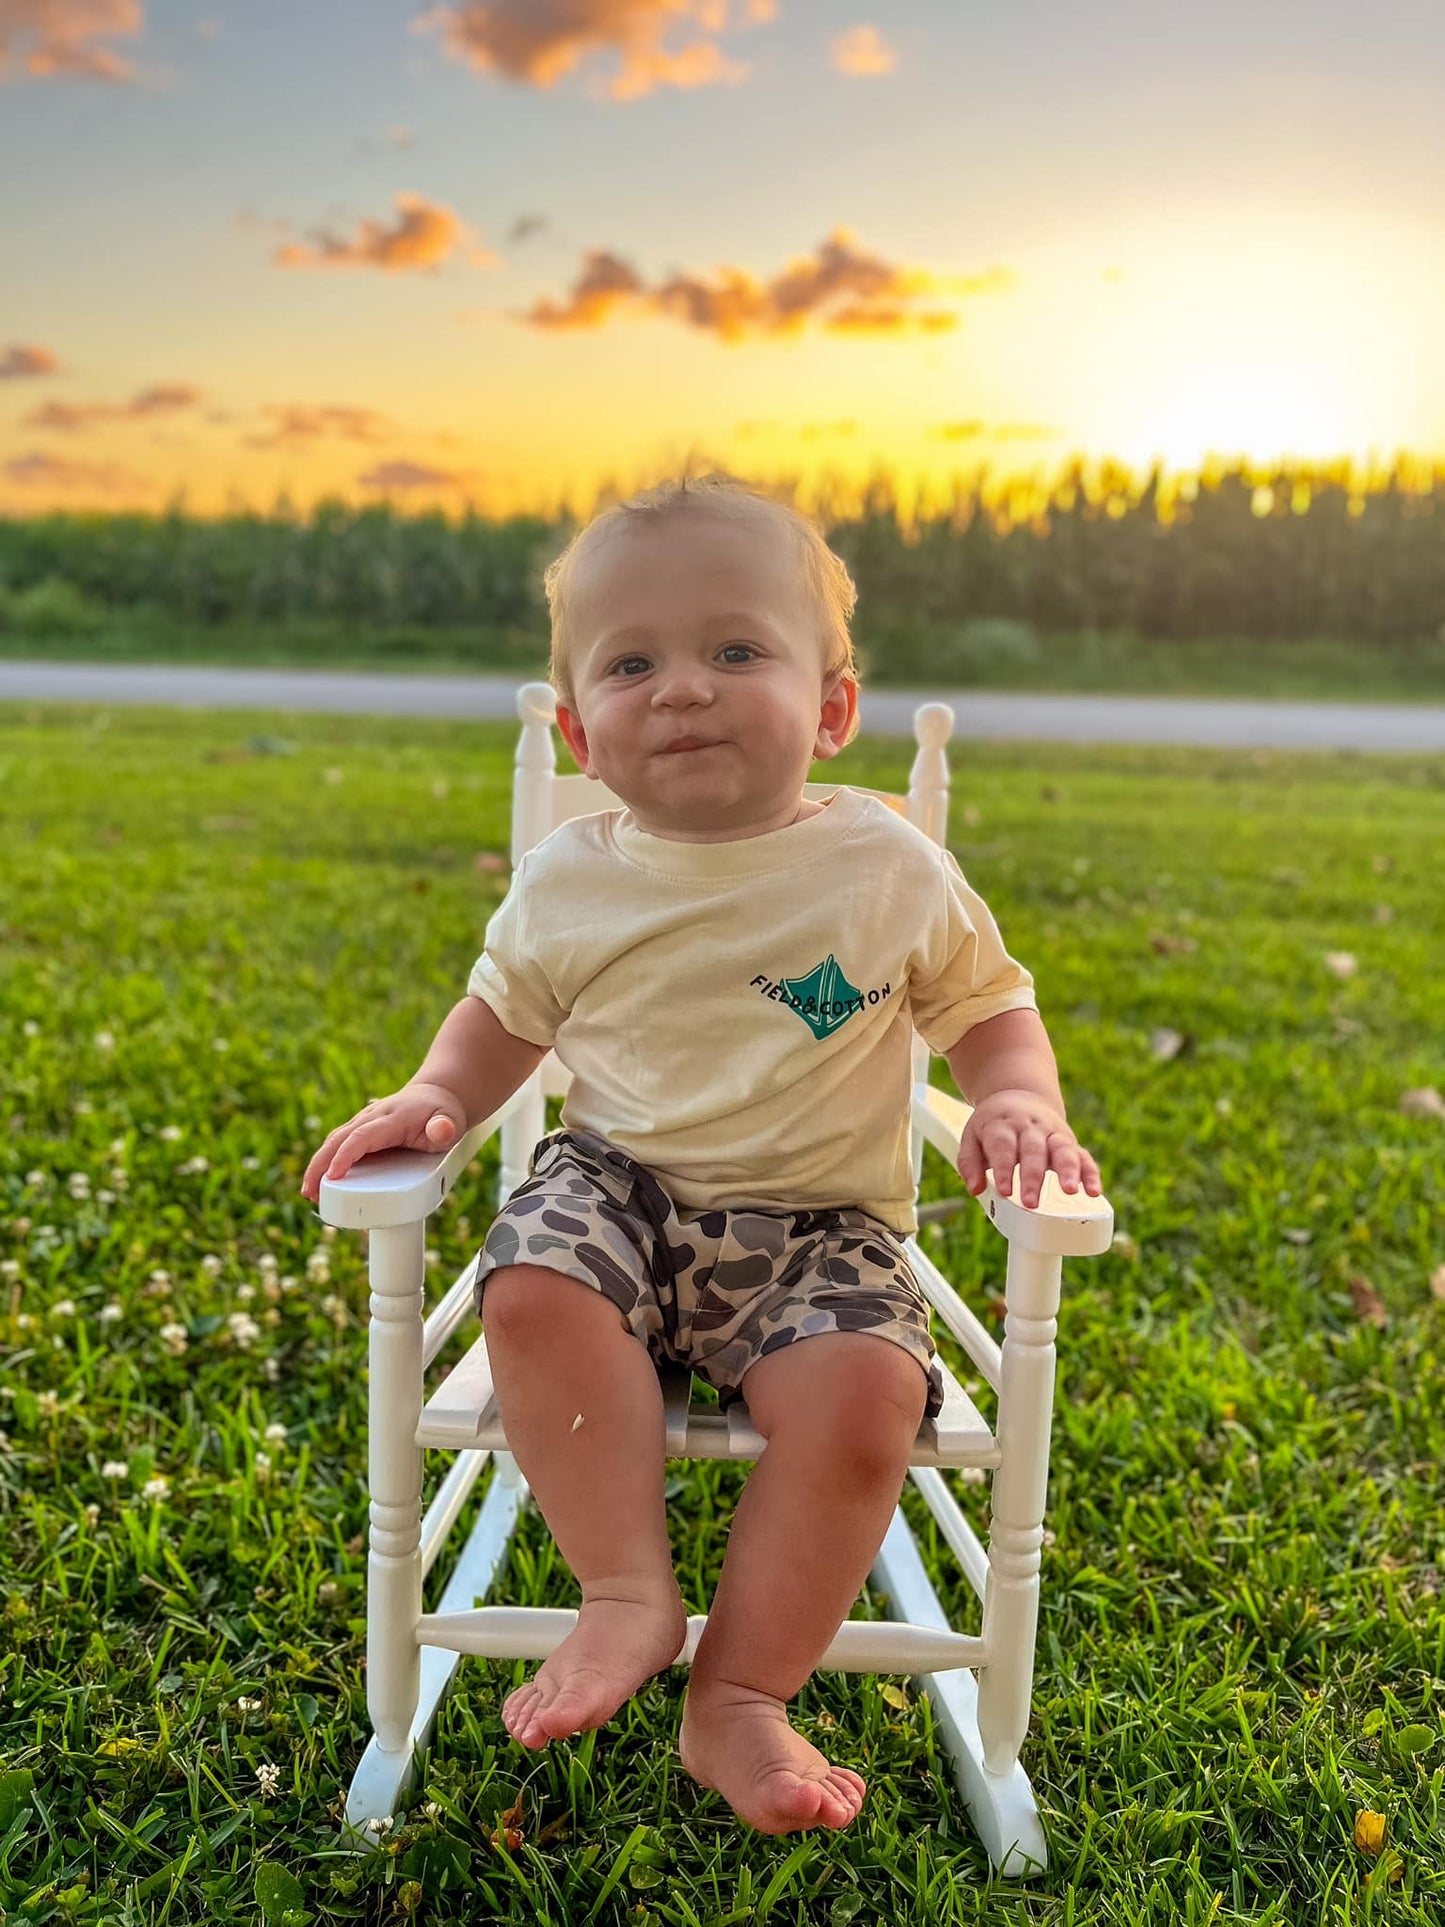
(1005, 1069)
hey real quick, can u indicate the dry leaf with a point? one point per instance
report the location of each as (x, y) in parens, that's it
(1166, 944)
(1423, 1103)
(1382, 865)
(1341, 962)
(1369, 1305)
(1296, 1235)
(508, 1830)
(896, 1696)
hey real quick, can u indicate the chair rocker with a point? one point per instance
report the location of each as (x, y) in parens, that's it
(980, 1683)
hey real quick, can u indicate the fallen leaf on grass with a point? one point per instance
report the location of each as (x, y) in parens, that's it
(508, 1831)
(1368, 1303)
(1423, 1103)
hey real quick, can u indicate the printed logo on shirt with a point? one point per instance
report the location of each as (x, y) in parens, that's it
(824, 999)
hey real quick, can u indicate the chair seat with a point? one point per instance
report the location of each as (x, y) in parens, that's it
(462, 1415)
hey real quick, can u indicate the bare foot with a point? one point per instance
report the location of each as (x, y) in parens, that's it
(739, 1742)
(615, 1646)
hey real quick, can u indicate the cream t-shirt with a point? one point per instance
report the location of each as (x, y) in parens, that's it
(737, 1016)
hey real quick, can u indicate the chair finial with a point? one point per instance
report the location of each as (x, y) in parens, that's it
(537, 702)
(932, 725)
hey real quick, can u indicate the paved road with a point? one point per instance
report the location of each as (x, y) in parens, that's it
(977, 713)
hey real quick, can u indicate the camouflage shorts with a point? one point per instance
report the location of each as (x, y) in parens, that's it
(713, 1290)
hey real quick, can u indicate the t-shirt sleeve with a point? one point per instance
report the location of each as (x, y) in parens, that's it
(962, 973)
(509, 975)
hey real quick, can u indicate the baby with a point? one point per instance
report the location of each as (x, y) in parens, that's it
(732, 972)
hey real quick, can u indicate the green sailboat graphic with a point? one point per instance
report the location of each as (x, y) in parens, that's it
(824, 999)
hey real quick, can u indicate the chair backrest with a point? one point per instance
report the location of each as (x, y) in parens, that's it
(542, 800)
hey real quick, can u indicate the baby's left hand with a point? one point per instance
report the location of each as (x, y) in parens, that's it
(1020, 1127)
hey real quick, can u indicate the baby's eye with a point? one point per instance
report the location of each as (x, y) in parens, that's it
(726, 646)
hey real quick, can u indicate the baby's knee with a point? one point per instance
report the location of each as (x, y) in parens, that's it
(532, 1304)
(859, 1408)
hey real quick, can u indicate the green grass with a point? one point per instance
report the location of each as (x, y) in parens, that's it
(1241, 1637)
(909, 655)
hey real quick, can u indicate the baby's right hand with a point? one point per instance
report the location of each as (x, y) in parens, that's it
(418, 1117)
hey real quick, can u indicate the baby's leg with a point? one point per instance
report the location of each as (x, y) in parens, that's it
(558, 1348)
(840, 1412)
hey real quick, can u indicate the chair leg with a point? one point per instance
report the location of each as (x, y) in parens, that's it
(1001, 1805)
(384, 1776)
(1016, 1507)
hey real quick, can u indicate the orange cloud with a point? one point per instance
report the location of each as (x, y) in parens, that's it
(536, 46)
(862, 51)
(424, 235)
(49, 37)
(839, 288)
(411, 475)
(55, 471)
(18, 361)
(70, 417)
(299, 422)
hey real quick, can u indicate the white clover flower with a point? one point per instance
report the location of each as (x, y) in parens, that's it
(290, 1282)
(37, 1178)
(382, 1825)
(30, 1027)
(117, 1147)
(10, 1268)
(220, 1043)
(432, 1256)
(263, 1466)
(63, 1308)
(104, 1040)
(331, 1304)
(318, 1261)
(92, 1513)
(272, 1369)
(277, 1433)
(158, 1288)
(245, 1293)
(175, 1339)
(120, 1177)
(103, 1196)
(270, 1289)
(267, 1261)
(48, 1403)
(170, 1133)
(248, 1706)
(23, 1321)
(78, 1184)
(313, 1122)
(193, 1165)
(243, 1328)
(108, 1314)
(972, 1474)
(271, 1316)
(328, 1232)
(269, 1776)
(83, 1107)
(210, 1264)
(250, 1164)
(156, 1488)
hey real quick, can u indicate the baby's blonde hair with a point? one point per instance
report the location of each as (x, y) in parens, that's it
(830, 589)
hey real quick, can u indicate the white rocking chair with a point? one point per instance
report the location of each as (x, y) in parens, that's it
(980, 1684)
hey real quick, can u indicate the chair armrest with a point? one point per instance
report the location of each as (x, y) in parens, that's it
(401, 1187)
(1070, 1224)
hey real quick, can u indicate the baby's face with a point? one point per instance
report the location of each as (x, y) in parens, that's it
(700, 629)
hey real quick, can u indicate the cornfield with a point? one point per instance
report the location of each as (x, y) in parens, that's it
(1299, 552)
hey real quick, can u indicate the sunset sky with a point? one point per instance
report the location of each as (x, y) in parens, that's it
(500, 253)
